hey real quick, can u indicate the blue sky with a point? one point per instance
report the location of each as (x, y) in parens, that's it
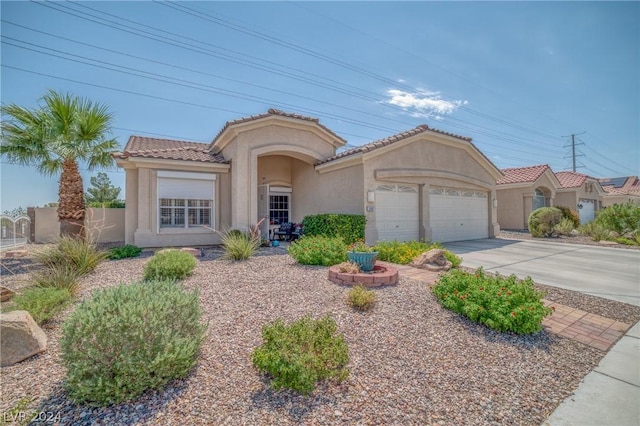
(514, 76)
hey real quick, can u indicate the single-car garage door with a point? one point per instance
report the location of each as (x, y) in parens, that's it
(397, 212)
(458, 214)
(587, 210)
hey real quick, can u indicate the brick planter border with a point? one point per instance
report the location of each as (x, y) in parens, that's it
(388, 277)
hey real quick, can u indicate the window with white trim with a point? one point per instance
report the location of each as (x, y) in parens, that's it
(185, 200)
(279, 208)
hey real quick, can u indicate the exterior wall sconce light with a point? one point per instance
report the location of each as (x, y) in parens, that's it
(371, 196)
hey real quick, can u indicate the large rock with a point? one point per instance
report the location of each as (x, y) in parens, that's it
(21, 337)
(432, 260)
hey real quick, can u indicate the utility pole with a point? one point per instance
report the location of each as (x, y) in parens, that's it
(573, 148)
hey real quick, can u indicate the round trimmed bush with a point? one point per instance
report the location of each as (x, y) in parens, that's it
(169, 265)
(130, 338)
(542, 221)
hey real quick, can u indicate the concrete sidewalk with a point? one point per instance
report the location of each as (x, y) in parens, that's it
(610, 393)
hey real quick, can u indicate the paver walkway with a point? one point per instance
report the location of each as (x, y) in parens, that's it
(591, 329)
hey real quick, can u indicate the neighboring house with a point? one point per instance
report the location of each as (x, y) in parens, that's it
(280, 167)
(521, 190)
(620, 190)
(524, 189)
(581, 193)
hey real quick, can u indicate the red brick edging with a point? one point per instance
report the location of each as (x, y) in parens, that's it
(388, 277)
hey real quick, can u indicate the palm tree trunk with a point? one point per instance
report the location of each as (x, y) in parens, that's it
(71, 208)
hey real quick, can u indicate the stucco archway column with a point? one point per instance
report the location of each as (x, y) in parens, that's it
(241, 189)
(527, 206)
(493, 214)
(425, 231)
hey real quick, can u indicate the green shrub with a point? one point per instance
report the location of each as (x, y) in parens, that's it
(124, 252)
(130, 338)
(564, 227)
(360, 298)
(42, 303)
(596, 231)
(453, 258)
(79, 252)
(298, 355)
(542, 221)
(621, 218)
(400, 253)
(59, 276)
(169, 265)
(239, 245)
(318, 250)
(115, 204)
(570, 214)
(501, 303)
(349, 227)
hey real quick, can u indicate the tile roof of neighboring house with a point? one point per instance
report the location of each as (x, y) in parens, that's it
(144, 147)
(390, 140)
(612, 185)
(571, 179)
(522, 174)
(272, 112)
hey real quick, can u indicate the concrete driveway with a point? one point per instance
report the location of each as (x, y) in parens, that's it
(601, 271)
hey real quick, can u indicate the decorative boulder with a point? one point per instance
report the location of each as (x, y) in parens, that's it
(21, 337)
(432, 260)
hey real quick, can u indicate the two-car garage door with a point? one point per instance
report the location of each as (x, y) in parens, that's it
(455, 214)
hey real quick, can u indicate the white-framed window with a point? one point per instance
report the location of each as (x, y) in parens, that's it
(185, 200)
(539, 199)
(279, 205)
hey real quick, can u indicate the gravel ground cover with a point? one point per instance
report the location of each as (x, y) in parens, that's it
(412, 362)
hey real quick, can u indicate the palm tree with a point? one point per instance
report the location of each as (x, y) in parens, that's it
(64, 130)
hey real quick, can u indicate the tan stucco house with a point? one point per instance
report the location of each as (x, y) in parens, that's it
(581, 193)
(521, 190)
(524, 189)
(620, 190)
(280, 167)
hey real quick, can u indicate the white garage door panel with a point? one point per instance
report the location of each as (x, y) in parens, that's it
(458, 215)
(587, 211)
(397, 212)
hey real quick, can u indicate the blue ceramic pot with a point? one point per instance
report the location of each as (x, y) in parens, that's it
(366, 261)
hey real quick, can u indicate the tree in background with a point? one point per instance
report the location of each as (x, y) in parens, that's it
(102, 193)
(19, 211)
(54, 137)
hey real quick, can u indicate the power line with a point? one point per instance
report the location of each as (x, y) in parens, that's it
(225, 57)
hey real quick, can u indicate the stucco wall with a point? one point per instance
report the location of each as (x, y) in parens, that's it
(103, 225)
(275, 170)
(339, 191)
(610, 200)
(516, 204)
(511, 208)
(431, 160)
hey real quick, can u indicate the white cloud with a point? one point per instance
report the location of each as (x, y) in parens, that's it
(423, 103)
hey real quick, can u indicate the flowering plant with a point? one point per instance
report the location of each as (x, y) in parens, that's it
(501, 303)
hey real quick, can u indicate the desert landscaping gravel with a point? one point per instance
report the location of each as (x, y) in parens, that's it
(412, 361)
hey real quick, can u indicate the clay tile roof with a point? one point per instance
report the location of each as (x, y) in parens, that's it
(388, 141)
(571, 179)
(272, 112)
(522, 174)
(612, 185)
(144, 147)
